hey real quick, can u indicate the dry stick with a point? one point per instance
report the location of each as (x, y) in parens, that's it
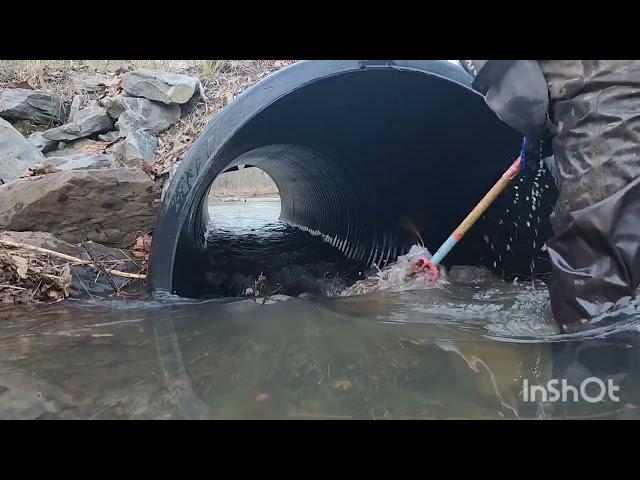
(11, 286)
(128, 258)
(75, 260)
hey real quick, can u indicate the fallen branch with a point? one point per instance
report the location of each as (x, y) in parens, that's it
(72, 259)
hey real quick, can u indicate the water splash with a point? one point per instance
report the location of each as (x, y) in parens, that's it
(398, 276)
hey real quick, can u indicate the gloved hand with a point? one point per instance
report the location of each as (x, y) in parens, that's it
(516, 91)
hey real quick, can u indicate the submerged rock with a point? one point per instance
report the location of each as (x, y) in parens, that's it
(16, 154)
(86, 122)
(138, 147)
(24, 397)
(110, 206)
(34, 105)
(168, 88)
(143, 114)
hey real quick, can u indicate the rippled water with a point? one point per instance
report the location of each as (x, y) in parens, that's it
(247, 241)
(459, 351)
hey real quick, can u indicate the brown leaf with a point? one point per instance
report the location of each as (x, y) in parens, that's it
(23, 84)
(66, 280)
(142, 246)
(53, 294)
(41, 169)
(94, 148)
(22, 265)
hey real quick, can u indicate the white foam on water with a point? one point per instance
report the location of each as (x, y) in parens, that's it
(396, 276)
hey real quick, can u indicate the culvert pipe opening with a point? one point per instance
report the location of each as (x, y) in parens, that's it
(357, 150)
(250, 251)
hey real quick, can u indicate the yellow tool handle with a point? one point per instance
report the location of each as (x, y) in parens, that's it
(487, 200)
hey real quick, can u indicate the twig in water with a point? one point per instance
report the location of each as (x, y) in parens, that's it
(273, 292)
(130, 259)
(101, 269)
(199, 357)
(105, 407)
(85, 287)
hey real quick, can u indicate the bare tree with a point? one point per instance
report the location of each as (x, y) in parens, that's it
(247, 182)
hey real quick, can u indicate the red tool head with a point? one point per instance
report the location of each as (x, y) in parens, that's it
(425, 265)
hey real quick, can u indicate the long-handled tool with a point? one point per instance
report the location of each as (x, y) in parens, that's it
(467, 223)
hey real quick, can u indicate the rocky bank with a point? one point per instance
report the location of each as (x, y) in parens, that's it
(89, 165)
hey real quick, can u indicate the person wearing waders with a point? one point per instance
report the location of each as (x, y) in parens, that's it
(589, 110)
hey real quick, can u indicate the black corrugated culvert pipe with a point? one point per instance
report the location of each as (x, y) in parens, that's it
(354, 147)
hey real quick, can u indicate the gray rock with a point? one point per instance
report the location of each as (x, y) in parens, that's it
(83, 161)
(76, 105)
(91, 83)
(138, 147)
(168, 88)
(84, 146)
(37, 140)
(110, 206)
(16, 153)
(86, 122)
(114, 106)
(143, 114)
(34, 105)
(24, 397)
(108, 137)
(106, 66)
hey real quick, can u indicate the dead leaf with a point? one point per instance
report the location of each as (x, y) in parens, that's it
(41, 169)
(23, 84)
(66, 280)
(262, 398)
(22, 265)
(53, 294)
(142, 247)
(342, 385)
(94, 148)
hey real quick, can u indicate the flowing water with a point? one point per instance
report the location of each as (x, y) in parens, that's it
(464, 349)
